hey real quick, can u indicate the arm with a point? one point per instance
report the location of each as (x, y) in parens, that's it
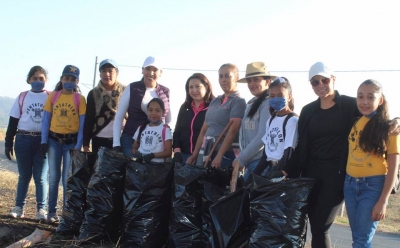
(45, 126)
(379, 210)
(10, 134)
(119, 116)
(192, 159)
(90, 116)
(177, 132)
(227, 143)
(167, 150)
(394, 126)
(80, 132)
(135, 147)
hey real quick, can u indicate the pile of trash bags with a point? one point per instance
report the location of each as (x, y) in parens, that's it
(179, 205)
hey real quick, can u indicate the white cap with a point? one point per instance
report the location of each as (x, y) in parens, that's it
(151, 61)
(321, 69)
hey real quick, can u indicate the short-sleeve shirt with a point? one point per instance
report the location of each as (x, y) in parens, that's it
(362, 164)
(32, 111)
(220, 112)
(65, 118)
(275, 143)
(151, 140)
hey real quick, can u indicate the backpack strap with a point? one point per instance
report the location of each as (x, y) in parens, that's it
(285, 122)
(270, 120)
(21, 99)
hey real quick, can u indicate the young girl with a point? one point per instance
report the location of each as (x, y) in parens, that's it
(62, 130)
(372, 164)
(153, 140)
(25, 123)
(280, 138)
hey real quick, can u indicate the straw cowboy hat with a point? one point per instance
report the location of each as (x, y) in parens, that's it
(256, 69)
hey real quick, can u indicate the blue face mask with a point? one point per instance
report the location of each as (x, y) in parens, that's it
(371, 115)
(37, 86)
(277, 103)
(69, 85)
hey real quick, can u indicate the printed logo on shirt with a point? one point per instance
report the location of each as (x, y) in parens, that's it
(149, 141)
(355, 150)
(273, 138)
(64, 112)
(35, 111)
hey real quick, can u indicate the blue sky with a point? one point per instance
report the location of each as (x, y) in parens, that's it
(287, 35)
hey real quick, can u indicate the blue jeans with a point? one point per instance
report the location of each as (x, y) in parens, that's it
(185, 156)
(57, 152)
(126, 144)
(249, 168)
(361, 195)
(30, 162)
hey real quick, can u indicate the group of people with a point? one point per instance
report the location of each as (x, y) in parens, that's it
(342, 142)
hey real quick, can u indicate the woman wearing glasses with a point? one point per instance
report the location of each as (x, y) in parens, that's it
(322, 150)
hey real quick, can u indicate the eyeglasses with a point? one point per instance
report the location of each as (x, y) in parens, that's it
(324, 80)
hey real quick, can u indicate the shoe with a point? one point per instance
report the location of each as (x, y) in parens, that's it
(41, 214)
(52, 218)
(17, 212)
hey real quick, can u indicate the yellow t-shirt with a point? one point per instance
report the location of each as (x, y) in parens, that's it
(361, 164)
(65, 119)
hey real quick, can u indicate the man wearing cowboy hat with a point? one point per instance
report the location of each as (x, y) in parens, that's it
(256, 115)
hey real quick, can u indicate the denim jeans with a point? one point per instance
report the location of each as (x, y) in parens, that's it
(249, 168)
(30, 162)
(57, 152)
(361, 195)
(126, 144)
(185, 156)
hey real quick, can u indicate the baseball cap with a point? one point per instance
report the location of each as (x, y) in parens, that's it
(151, 61)
(71, 70)
(321, 69)
(108, 61)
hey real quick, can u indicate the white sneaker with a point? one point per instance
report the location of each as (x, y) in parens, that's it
(17, 212)
(41, 214)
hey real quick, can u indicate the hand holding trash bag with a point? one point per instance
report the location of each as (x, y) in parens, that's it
(117, 148)
(275, 174)
(148, 157)
(43, 148)
(177, 157)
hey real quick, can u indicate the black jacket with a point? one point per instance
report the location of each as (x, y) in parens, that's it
(298, 162)
(187, 128)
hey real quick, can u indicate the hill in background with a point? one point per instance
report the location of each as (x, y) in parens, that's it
(5, 107)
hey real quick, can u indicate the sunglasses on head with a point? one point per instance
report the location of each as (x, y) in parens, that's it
(324, 80)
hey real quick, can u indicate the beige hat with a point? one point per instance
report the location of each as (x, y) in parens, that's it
(256, 69)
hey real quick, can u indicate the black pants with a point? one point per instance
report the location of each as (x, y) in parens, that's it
(324, 202)
(98, 142)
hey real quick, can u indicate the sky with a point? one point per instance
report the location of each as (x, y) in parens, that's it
(357, 39)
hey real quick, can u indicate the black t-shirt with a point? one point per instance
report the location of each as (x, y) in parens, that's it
(327, 130)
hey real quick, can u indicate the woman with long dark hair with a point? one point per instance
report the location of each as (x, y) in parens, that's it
(191, 116)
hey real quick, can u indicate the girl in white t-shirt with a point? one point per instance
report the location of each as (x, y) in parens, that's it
(25, 125)
(280, 138)
(153, 140)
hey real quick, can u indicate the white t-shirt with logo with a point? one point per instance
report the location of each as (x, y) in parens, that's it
(275, 143)
(151, 140)
(32, 111)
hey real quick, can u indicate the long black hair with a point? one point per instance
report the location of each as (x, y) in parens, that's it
(257, 103)
(282, 82)
(143, 126)
(374, 137)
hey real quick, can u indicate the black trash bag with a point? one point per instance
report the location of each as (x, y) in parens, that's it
(186, 220)
(75, 204)
(279, 212)
(231, 220)
(103, 216)
(216, 185)
(147, 204)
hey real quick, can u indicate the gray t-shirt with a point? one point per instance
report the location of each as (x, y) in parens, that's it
(219, 114)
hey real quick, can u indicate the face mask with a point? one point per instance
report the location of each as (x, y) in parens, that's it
(277, 103)
(371, 115)
(69, 85)
(37, 86)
